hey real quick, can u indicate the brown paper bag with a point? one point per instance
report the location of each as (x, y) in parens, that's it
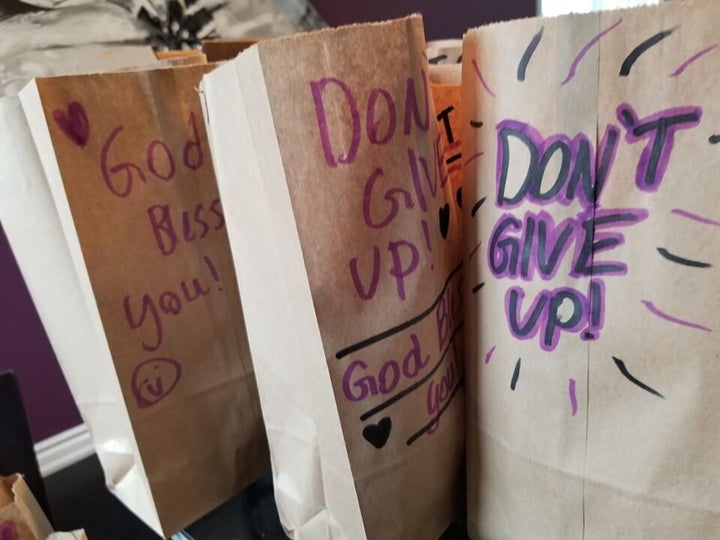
(218, 50)
(21, 517)
(181, 58)
(183, 61)
(191, 56)
(592, 367)
(177, 423)
(343, 228)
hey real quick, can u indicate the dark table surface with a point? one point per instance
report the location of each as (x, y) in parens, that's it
(79, 499)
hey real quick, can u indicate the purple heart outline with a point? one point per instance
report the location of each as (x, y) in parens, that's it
(74, 123)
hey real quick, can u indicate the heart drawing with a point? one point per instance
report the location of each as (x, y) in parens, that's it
(444, 218)
(378, 434)
(74, 123)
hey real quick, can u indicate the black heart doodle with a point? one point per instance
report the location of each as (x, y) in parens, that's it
(444, 218)
(458, 197)
(378, 434)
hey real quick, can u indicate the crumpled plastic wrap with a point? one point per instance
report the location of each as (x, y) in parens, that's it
(55, 42)
(265, 18)
(20, 68)
(57, 4)
(100, 22)
(61, 41)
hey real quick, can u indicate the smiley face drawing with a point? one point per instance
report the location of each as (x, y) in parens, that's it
(154, 379)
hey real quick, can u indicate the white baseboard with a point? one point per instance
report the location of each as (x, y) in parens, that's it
(63, 449)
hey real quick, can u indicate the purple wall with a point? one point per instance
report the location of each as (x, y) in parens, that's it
(443, 18)
(26, 350)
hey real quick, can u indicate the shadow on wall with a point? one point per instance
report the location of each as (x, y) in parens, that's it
(443, 20)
